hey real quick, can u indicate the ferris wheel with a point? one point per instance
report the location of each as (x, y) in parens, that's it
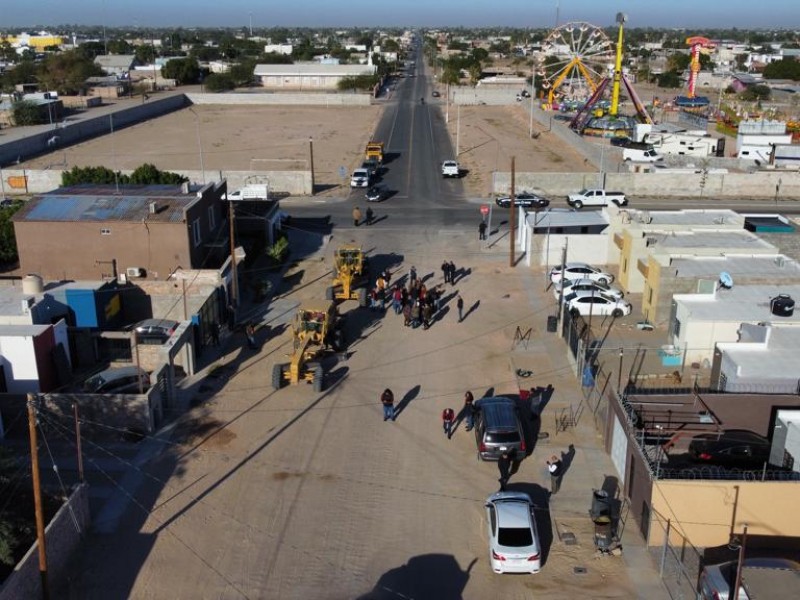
(578, 55)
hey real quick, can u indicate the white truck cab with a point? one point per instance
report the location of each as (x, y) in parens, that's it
(450, 169)
(360, 178)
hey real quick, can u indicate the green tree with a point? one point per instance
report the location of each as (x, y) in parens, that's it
(67, 72)
(390, 45)
(145, 54)
(740, 59)
(475, 72)
(669, 79)
(26, 113)
(359, 82)
(756, 93)
(149, 174)
(119, 47)
(92, 49)
(786, 68)
(274, 58)
(144, 174)
(25, 71)
(8, 254)
(182, 70)
(219, 82)
(7, 52)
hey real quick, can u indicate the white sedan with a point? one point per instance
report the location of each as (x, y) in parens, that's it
(579, 270)
(596, 303)
(513, 540)
(585, 285)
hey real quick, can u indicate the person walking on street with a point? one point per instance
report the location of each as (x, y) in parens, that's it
(448, 418)
(426, 315)
(387, 400)
(469, 410)
(412, 276)
(446, 271)
(555, 468)
(356, 216)
(370, 215)
(460, 306)
(397, 300)
(504, 465)
(452, 268)
(407, 314)
(250, 332)
(482, 230)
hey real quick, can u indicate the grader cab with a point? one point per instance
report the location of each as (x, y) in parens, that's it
(314, 332)
(349, 270)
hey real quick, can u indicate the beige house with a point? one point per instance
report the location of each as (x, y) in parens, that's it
(308, 76)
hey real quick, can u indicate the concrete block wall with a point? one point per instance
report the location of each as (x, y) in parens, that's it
(469, 96)
(281, 98)
(77, 131)
(761, 185)
(295, 183)
(62, 539)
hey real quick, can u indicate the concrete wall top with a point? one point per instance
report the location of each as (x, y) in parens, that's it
(281, 99)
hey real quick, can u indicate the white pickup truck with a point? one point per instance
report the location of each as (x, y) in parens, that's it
(641, 155)
(596, 197)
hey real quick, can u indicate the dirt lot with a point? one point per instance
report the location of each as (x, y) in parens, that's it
(261, 138)
(490, 135)
(236, 138)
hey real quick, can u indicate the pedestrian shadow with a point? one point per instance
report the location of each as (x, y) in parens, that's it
(460, 274)
(567, 458)
(488, 393)
(440, 314)
(378, 220)
(540, 497)
(427, 276)
(471, 309)
(423, 577)
(407, 398)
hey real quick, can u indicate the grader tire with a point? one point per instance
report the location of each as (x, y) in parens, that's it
(330, 293)
(318, 381)
(277, 377)
(362, 297)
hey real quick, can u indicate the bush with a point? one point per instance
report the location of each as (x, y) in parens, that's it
(144, 174)
(219, 82)
(279, 250)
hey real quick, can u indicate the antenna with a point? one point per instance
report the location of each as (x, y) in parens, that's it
(725, 280)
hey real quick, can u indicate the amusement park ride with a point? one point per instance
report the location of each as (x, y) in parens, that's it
(691, 101)
(593, 119)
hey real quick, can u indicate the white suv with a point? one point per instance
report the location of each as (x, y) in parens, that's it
(360, 179)
(450, 169)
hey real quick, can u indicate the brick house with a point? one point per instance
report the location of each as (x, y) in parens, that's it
(89, 231)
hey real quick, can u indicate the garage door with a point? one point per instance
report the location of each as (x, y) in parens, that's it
(619, 448)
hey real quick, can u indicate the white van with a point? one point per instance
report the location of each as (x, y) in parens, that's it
(749, 152)
(641, 155)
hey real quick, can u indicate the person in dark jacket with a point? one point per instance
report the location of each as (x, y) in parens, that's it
(460, 306)
(504, 466)
(469, 410)
(482, 230)
(387, 400)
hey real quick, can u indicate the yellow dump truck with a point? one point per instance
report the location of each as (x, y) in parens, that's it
(374, 150)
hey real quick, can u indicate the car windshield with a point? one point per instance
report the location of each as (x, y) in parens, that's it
(515, 537)
(94, 383)
(503, 437)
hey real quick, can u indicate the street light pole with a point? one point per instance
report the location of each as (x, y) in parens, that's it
(533, 98)
(458, 130)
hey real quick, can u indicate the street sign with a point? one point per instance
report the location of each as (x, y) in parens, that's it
(484, 209)
(342, 172)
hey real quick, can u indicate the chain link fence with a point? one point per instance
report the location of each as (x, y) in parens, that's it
(679, 562)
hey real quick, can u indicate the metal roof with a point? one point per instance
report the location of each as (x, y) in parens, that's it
(314, 69)
(103, 204)
(727, 241)
(741, 303)
(559, 217)
(770, 266)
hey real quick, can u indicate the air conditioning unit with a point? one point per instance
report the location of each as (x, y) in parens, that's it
(134, 272)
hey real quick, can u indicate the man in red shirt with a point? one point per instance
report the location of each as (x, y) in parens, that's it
(448, 418)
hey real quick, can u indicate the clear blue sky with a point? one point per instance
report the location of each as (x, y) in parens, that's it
(320, 13)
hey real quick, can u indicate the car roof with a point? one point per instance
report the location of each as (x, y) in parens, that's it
(513, 513)
(156, 322)
(732, 435)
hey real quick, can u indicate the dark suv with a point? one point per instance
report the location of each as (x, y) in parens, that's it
(738, 448)
(498, 428)
(154, 331)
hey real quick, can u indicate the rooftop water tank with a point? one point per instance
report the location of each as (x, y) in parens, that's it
(32, 284)
(782, 305)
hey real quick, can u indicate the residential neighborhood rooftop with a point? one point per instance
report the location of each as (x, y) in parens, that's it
(767, 266)
(740, 303)
(695, 218)
(765, 351)
(726, 241)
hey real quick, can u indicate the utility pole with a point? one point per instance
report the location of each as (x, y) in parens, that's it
(458, 130)
(138, 366)
(78, 440)
(37, 498)
(533, 98)
(740, 564)
(512, 214)
(561, 288)
(234, 276)
(311, 160)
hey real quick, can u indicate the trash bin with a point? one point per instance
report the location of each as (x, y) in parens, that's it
(552, 324)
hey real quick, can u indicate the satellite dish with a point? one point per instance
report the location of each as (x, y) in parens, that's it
(725, 280)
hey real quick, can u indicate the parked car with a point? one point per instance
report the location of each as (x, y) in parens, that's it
(585, 285)
(513, 538)
(621, 141)
(360, 178)
(154, 331)
(526, 199)
(596, 303)
(450, 169)
(435, 93)
(498, 427)
(122, 380)
(579, 270)
(732, 448)
(376, 193)
(761, 577)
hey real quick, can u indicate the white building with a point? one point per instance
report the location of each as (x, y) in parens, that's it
(278, 49)
(308, 76)
(701, 321)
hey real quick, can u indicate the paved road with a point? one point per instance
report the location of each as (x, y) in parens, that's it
(290, 494)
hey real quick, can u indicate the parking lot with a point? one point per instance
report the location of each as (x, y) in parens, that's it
(290, 494)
